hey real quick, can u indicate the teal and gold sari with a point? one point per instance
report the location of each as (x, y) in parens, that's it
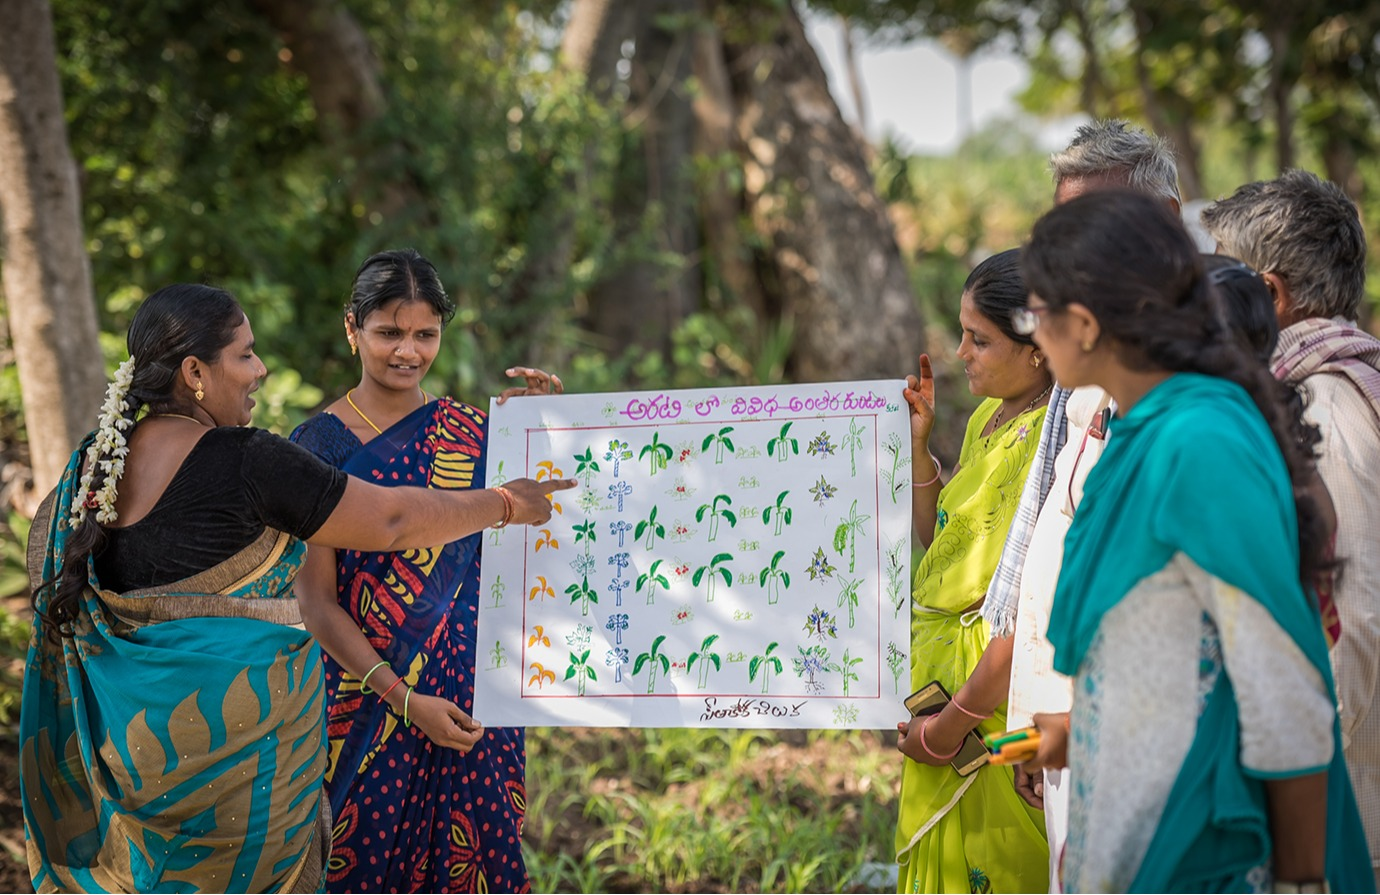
(174, 742)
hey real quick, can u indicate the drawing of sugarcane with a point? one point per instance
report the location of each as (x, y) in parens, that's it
(893, 476)
(846, 535)
(722, 441)
(845, 669)
(653, 528)
(498, 655)
(712, 510)
(779, 510)
(620, 529)
(620, 490)
(783, 445)
(580, 670)
(584, 532)
(848, 596)
(773, 577)
(617, 623)
(498, 590)
(766, 663)
(583, 594)
(704, 655)
(852, 442)
(586, 467)
(650, 579)
(711, 573)
(659, 451)
(651, 659)
(617, 452)
(616, 658)
(897, 663)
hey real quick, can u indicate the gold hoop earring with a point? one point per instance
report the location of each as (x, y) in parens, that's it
(200, 392)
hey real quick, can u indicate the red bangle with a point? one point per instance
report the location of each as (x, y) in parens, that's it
(509, 506)
(954, 703)
(384, 694)
(930, 752)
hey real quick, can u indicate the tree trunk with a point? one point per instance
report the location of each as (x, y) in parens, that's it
(46, 273)
(1090, 85)
(841, 278)
(855, 86)
(1167, 123)
(1281, 87)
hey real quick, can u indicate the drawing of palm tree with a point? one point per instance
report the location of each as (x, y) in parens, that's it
(617, 452)
(619, 528)
(773, 577)
(778, 509)
(712, 509)
(584, 594)
(619, 491)
(783, 445)
(846, 535)
(845, 668)
(650, 579)
(704, 656)
(652, 658)
(586, 466)
(765, 663)
(710, 574)
(580, 670)
(722, 440)
(541, 675)
(852, 442)
(617, 623)
(653, 528)
(849, 596)
(542, 589)
(660, 453)
(617, 658)
(584, 531)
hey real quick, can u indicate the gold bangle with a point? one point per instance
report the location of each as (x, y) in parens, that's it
(509, 506)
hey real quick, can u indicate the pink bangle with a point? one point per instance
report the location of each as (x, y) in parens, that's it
(930, 752)
(938, 471)
(954, 703)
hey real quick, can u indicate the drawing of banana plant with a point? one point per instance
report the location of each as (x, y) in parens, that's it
(619, 491)
(583, 594)
(766, 663)
(810, 666)
(650, 579)
(660, 452)
(846, 535)
(704, 655)
(542, 590)
(779, 510)
(617, 452)
(845, 668)
(584, 532)
(617, 623)
(849, 596)
(711, 573)
(586, 467)
(548, 540)
(498, 590)
(580, 670)
(852, 442)
(653, 528)
(714, 513)
(616, 658)
(894, 476)
(722, 441)
(651, 659)
(541, 675)
(783, 445)
(620, 529)
(897, 663)
(773, 577)
(547, 469)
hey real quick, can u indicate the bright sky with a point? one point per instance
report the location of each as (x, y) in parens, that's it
(912, 90)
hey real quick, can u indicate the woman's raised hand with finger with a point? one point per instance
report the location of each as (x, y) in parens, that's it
(919, 394)
(538, 382)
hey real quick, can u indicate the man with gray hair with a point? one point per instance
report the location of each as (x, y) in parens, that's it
(1017, 667)
(1304, 236)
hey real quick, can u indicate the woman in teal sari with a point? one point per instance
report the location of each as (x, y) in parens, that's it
(1203, 740)
(961, 833)
(171, 729)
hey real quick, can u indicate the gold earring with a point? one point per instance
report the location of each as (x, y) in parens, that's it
(354, 349)
(1036, 360)
(200, 392)
(1087, 347)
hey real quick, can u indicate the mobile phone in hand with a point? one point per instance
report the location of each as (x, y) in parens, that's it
(930, 700)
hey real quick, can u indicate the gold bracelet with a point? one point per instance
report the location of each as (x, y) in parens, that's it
(509, 506)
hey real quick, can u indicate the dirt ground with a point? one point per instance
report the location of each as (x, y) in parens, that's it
(14, 871)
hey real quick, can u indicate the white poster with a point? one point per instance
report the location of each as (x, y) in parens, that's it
(733, 557)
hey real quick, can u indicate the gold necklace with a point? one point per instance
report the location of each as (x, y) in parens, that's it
(181, 416)
(350, 399)
(996, 419)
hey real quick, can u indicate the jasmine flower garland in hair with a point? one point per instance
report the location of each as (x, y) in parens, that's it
(109, 444)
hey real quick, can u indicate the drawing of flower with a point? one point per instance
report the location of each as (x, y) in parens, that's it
(822, 491)
(820, 446)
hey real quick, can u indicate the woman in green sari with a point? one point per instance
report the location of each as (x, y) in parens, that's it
(172, 730)
(969, 833)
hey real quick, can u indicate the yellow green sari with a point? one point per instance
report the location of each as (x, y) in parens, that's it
(974, 833)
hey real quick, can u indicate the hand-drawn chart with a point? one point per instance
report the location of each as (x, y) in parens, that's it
(731, 558)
